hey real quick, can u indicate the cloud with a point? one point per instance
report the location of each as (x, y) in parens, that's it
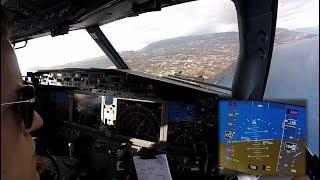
(298, 13)
(198, 17)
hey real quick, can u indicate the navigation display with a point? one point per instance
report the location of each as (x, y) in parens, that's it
(139, 119)
(262, 138)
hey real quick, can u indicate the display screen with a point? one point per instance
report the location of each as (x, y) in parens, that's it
(139, 119)
(53, 106)
(262, 138)
(183, 120)
(182, 113)
(59, 104)
(87, 110)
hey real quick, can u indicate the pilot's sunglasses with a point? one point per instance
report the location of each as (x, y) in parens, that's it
(25, 104)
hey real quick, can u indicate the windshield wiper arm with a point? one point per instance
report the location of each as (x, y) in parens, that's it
(102, 41)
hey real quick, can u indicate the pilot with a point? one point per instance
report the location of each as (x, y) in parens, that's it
(18, 118)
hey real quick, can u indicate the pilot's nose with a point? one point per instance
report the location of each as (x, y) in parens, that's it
(36, 124)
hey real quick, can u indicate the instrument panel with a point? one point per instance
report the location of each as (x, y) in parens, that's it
(153, 121)
(111, 112)
(114, 114)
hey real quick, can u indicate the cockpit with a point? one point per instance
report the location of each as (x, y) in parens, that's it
(167, 89)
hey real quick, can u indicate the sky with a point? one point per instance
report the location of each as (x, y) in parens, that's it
(198, 17)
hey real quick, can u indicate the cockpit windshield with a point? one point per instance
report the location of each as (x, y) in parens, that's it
(196, 41)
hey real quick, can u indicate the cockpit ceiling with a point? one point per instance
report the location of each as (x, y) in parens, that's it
(36, 18)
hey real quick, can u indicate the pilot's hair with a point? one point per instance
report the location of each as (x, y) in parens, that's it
(4, 24)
